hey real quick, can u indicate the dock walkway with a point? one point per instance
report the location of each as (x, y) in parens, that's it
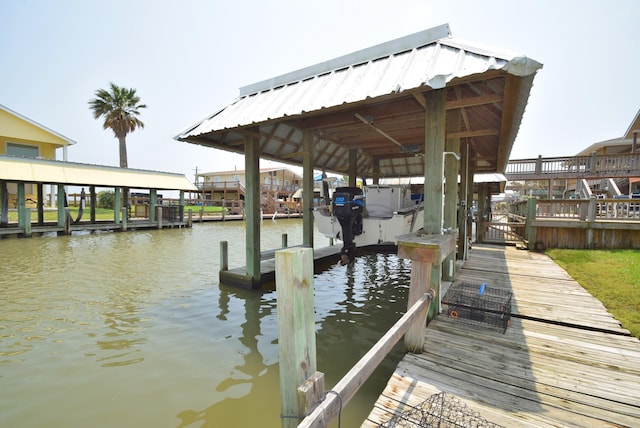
(563, 361)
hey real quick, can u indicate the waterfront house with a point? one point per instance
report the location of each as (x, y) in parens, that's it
(277, 188)
(26, 138)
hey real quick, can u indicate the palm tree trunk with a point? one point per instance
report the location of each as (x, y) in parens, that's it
(123, 152)
(124, 164)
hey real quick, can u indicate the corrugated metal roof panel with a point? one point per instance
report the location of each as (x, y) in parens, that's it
(45, 171)
(434, 65)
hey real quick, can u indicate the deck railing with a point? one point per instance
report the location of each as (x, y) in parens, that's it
(621, 165)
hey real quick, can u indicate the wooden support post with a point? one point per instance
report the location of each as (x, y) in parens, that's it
(591, 217)
(482, 211)
(190, 218)
(434, 144)
(92, 203)
(433, 149)
(353, 167)
(22, 205)
(40, 203)
(117, 204)
(62, 214)
(4, 204)
(252, 200)
(67, 221)
(224, 255)
(530, 230)
(307, 189)
(27, 222)
(153, 202)
(465, 205)
(425, 252)
(376, 170)
(181, 208)
(451, 171)
(285, 240)
(296, 327)
(124, 218)
(160, 217)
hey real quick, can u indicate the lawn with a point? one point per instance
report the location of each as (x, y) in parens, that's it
(610, 276)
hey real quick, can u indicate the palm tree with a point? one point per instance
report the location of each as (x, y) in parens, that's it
(120, 108)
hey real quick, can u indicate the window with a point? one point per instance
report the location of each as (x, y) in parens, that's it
(22, 150)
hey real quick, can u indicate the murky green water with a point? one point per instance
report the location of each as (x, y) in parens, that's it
(133, 330)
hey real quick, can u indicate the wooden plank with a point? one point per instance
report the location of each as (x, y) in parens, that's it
(543, 372)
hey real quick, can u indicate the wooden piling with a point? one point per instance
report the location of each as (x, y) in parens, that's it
(159, 217)
(224, 255)
(125, 217)
(296, 328)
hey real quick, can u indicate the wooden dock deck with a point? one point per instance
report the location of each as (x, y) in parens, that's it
(563, 361)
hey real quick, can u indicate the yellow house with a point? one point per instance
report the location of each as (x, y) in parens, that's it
(25, 138)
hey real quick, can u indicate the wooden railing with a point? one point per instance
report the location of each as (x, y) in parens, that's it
(348, 386)
(621, 165)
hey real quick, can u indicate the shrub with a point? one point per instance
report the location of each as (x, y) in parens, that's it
(105, 200)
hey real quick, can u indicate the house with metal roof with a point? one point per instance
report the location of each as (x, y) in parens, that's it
(393, 109)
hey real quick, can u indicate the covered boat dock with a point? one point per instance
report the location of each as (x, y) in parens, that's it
(397, 109)
(39, 173)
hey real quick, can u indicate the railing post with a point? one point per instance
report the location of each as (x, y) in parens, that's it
(296, 328)
(529, 229)
(539, 165)
(591, 217)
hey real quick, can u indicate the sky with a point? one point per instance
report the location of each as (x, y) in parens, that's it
(187, 60)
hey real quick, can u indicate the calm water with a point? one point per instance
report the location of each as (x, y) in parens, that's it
(133, 330)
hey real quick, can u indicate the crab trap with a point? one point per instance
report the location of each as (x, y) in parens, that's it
(479, 304)
(440, 410)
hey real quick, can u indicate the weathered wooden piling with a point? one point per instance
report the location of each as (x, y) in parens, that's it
(296, 329)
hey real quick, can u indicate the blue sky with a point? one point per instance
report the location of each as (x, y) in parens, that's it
(187, 59)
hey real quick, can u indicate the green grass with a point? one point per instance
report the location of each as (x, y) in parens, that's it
(613, 277)
(52, 215)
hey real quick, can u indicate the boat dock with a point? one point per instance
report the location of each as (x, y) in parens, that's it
(563, 360)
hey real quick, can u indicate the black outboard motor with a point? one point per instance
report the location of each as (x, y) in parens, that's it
(348, 205)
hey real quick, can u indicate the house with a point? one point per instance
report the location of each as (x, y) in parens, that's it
(627, 143)
(25, 138)
(277, 187)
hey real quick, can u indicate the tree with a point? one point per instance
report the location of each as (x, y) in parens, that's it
(120, 108)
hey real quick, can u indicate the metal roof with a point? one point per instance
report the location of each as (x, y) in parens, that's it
(15, 169)
(373, 101)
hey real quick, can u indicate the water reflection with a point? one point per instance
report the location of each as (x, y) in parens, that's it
(125, 329)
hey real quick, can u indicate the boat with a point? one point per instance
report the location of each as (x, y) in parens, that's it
(375, 214)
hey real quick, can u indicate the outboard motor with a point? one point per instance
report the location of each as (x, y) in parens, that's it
(348, 205)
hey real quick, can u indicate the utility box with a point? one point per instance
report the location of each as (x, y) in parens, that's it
(479, 304)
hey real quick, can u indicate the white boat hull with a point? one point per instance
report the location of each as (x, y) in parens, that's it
(375, 230)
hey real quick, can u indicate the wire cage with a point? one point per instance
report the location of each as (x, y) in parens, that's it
(440, 410)
(479, 304)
